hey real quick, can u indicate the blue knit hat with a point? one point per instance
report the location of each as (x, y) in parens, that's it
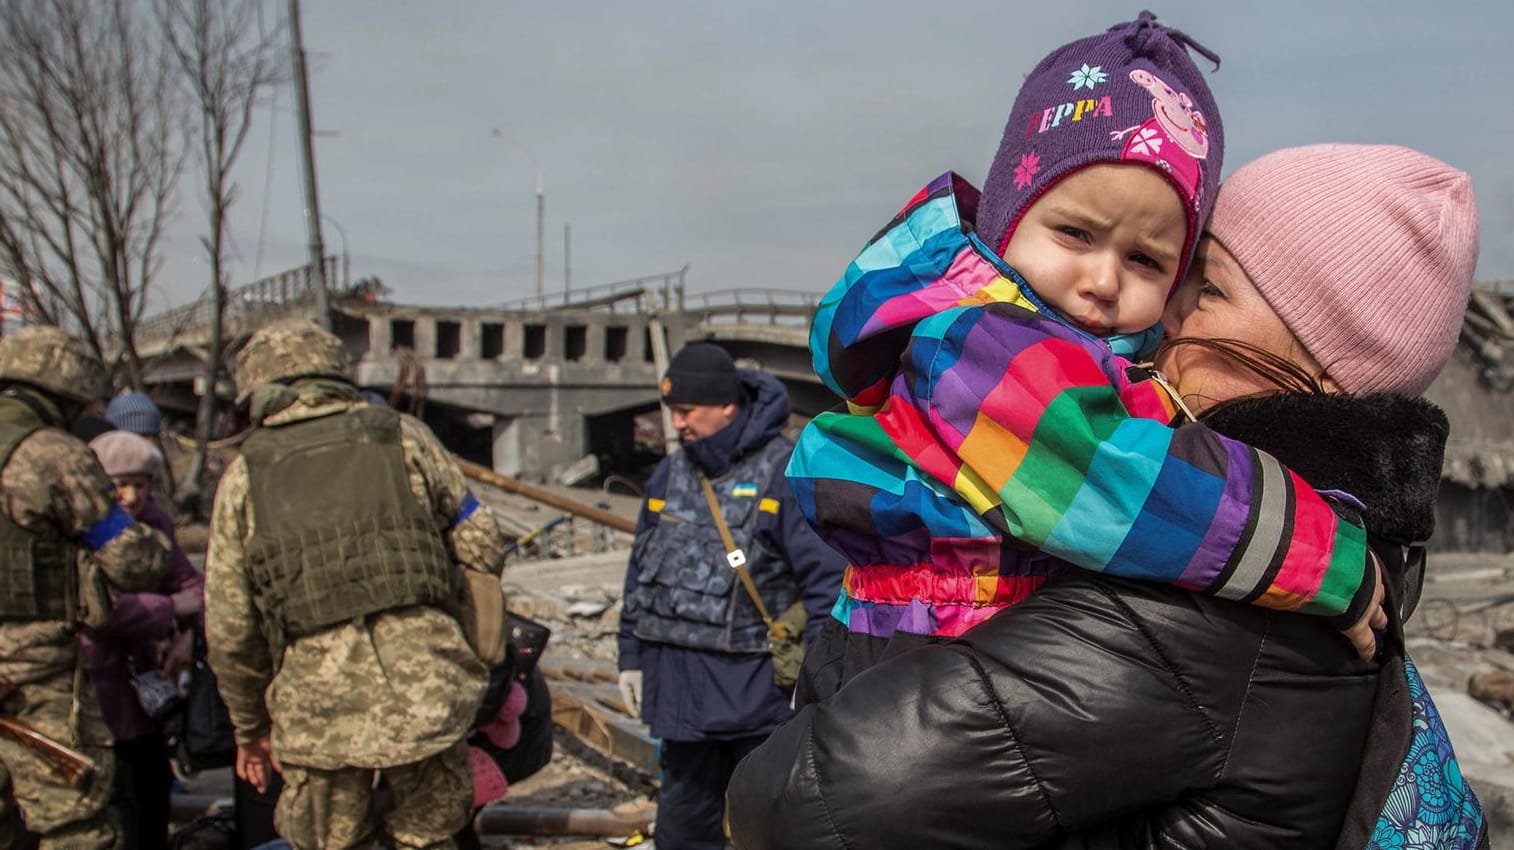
(1131, 94)
(136, 413)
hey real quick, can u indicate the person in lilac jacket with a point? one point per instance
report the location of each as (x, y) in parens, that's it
(130, 642)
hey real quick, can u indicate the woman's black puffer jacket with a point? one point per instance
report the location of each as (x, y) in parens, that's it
(1102, 713)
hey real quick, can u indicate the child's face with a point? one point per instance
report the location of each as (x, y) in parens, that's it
(132, 492)
(1102, 247)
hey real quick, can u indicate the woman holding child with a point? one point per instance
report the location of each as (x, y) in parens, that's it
(1095, 711)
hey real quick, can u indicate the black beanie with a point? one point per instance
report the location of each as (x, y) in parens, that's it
(702, 373)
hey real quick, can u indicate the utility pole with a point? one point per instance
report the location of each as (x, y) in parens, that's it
(541, 212)
(567, 265)
(312, 202)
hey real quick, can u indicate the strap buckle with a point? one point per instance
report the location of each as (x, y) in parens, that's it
(736, 558)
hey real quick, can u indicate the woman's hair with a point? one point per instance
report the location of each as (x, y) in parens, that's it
(1286, 375)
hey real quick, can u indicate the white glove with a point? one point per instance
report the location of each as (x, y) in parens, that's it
(630, 691)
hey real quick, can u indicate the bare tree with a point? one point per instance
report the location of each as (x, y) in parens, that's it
(226, 57)
(90, 151)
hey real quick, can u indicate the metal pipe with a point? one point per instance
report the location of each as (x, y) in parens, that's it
(490, 820)
(546, 497)
(509, 820)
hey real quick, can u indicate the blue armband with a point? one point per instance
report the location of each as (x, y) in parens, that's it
(101, 533)
(464, 510)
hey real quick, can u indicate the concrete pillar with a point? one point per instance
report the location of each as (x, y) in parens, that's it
(515, 340)
(425, 337)
(472, 340)
(380, 340)
(594, 350)
(507, 446)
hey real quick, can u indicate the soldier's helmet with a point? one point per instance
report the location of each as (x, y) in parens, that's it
(53, 360)
(283, 351)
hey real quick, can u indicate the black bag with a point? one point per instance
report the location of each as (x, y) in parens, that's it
(207, 739)
(534, 749)
(528, 639)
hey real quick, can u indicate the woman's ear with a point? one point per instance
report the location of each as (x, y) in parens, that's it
(1310, 364)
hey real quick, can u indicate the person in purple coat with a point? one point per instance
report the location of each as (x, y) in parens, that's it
(130, 643)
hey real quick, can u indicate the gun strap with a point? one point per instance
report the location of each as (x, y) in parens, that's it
(733, 554)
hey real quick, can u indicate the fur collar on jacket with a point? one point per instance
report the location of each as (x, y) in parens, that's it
(1385, 450)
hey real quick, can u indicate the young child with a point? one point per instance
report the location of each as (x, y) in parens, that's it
(972, 465)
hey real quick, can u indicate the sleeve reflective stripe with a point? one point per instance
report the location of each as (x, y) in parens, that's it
(464, 510)
(101, 533)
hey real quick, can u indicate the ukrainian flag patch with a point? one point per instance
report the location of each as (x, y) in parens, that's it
(748, 491)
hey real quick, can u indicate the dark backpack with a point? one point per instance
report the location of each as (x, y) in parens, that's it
(206, 738)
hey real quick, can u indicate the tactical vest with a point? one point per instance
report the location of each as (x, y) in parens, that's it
(38, 578)
(687, 593)
(337, 533)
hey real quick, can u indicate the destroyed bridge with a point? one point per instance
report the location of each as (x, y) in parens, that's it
(546, 388)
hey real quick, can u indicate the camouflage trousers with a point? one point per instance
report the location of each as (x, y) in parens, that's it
(333, 809)
(34, 797)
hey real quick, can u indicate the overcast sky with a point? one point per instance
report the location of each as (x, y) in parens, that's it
(762, 142)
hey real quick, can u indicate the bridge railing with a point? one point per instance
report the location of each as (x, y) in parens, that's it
(657, 292)
(268, 298)
(784, 307)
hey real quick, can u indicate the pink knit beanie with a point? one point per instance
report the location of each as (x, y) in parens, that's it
(1366, 252)
(125, 453)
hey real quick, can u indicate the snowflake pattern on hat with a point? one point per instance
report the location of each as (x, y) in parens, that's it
(1025, 172)
(1086, 77)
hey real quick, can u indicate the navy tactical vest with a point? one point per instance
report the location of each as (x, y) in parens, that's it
(687, 593)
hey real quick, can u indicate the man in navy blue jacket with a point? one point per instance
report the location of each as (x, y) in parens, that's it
(693, 645)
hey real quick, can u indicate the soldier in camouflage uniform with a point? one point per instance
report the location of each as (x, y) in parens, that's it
(337, 545)
(63, 537)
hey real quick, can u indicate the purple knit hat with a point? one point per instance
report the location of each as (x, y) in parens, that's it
(1131, 94)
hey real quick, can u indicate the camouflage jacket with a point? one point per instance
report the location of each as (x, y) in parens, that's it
(392, 689)
(53, 487)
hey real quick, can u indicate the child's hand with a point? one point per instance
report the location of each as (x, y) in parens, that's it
(1361, 635)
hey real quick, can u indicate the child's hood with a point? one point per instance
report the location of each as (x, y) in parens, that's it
(922, 263)
(928, 260)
